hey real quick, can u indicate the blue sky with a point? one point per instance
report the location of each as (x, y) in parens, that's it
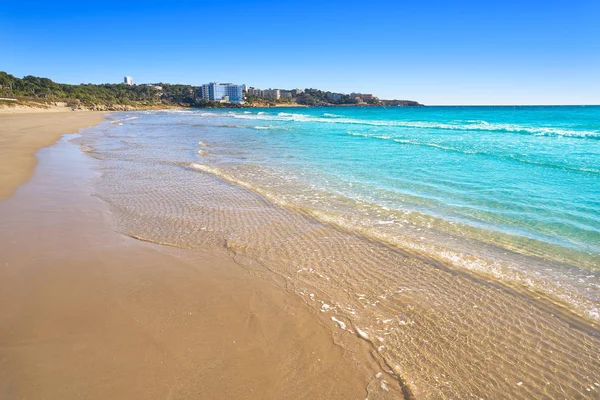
(436, 52)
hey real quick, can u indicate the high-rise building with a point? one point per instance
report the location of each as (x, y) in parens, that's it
(203, 94)
(128, 80)
(222, 92)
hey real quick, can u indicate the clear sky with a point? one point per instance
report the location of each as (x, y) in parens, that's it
(436, 52)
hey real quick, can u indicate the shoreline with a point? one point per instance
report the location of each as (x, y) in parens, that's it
(444, 300)
(23, 133)
(34, 107)
(422, 318)
(87, 311)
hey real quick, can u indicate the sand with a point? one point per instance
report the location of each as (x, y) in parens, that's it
(88, 313)
(23, 132)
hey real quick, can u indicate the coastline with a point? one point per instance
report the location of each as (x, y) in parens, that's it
(88, 312)
(387, 332)
(423, 320)
(23, 133)
(23, 106)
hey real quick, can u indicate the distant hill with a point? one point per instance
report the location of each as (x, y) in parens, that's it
(316, 97)
(122, 96)
(94, 96)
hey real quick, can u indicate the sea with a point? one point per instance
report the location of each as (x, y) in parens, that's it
(461, 243)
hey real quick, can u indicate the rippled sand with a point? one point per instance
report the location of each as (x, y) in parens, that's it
(437, 332)
(86, 313)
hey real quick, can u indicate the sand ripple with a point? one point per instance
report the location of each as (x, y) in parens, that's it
(438, 332)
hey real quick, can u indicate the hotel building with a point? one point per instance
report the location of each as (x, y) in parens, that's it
(216, 91)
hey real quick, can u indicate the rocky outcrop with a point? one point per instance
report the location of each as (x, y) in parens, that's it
(401, 103)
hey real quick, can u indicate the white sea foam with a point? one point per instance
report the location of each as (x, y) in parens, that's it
(362, 334)
(170, 111)
(340, 323)
(496, 268)
(119, 121)
(455, 125)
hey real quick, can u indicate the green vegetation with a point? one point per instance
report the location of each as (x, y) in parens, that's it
(44, 89)
(113, 96)
(203, 103)
(316, 97)
(255, 101)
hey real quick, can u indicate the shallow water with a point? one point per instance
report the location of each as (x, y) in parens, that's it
(378, 218)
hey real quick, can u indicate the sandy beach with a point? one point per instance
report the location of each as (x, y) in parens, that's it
(88, 313)
(23, 132)
(132, 268)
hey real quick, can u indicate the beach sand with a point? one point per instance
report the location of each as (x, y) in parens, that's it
(88, 313)
(23, 132)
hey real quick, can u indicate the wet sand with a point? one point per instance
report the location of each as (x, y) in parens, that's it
(88, 313)
(437, 331)
(23, 132)
(244, 298)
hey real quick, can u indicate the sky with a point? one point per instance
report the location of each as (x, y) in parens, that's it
(435, 52)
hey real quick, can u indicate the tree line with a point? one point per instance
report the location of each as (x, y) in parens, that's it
(33, 87)
(44, 89)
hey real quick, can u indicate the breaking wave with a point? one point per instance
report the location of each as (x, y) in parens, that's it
(467, 125)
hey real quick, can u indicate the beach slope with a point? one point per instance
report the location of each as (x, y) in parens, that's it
(22, 133)
(88, 313)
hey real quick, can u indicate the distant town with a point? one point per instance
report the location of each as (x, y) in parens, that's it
(241, 94)
(33, 91)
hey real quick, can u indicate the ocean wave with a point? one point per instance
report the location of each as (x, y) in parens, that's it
(119, 121)
(268, 127)
(467, 125)
(510, 157)
(499, 269)
(169, 111)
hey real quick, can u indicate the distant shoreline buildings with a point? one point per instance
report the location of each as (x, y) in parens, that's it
(274, 94)
(234, 93)
(222, 92)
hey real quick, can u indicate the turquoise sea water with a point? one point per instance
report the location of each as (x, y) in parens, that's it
(510, 192)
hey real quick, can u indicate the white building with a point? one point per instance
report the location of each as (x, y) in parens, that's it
(274, 94)
(254, 92)
(128, 80)
(225, 92)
